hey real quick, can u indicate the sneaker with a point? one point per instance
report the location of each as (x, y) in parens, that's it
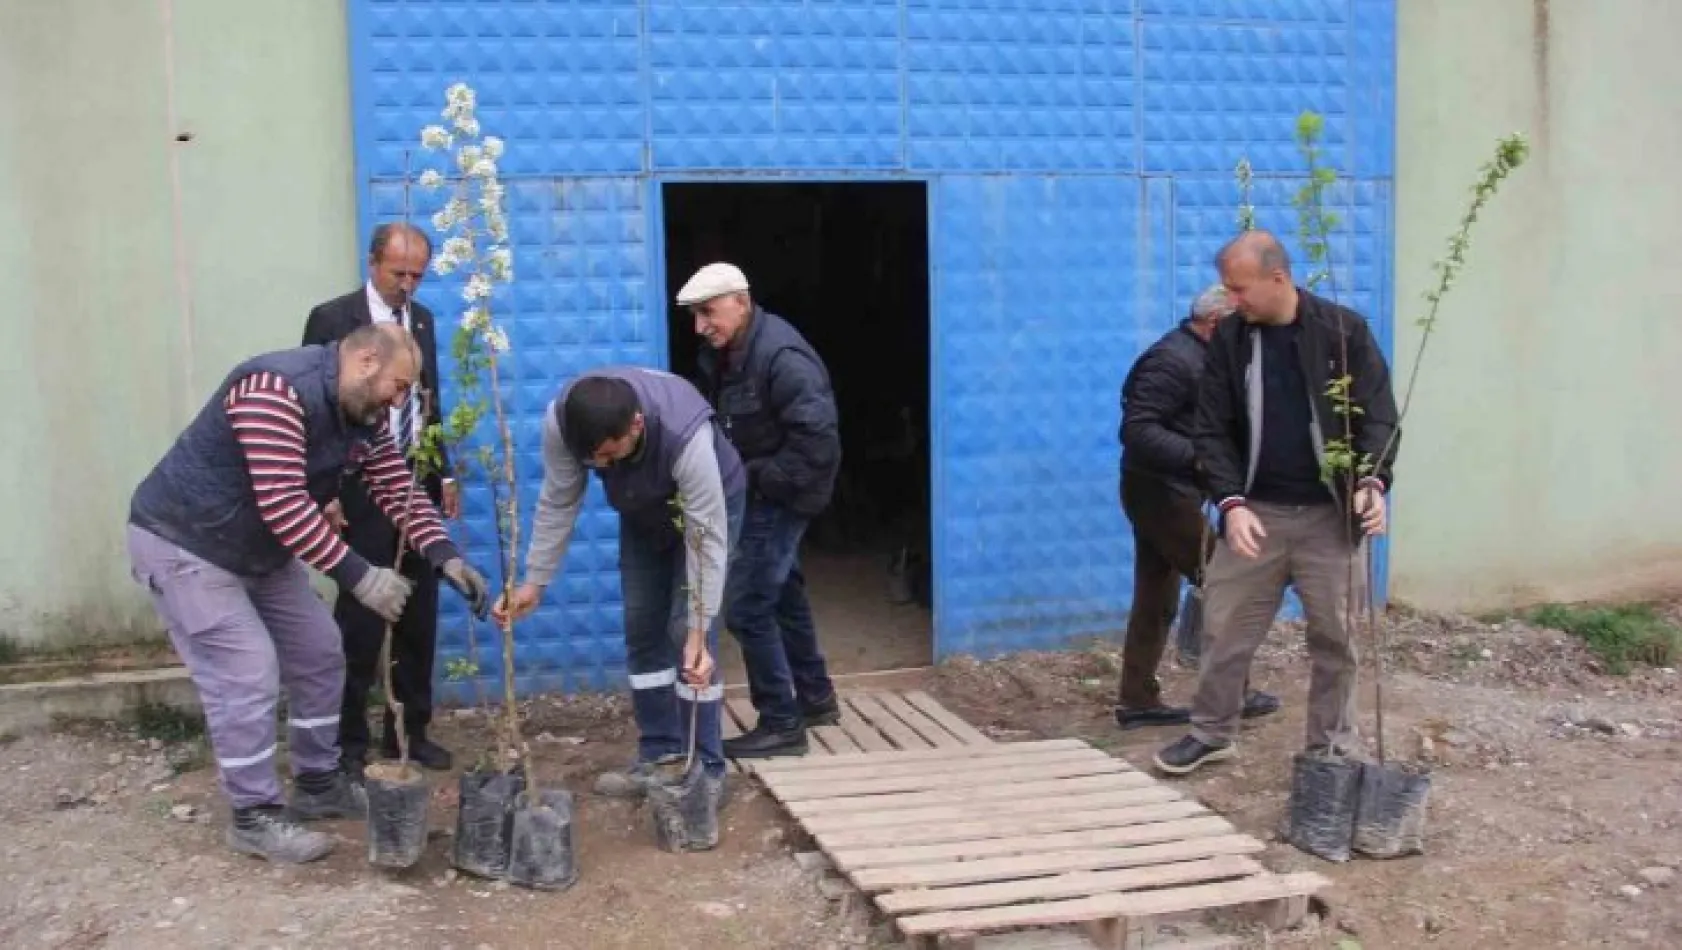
(1258, 704)
(1188, 754)
(630, 783)
(764, 742)
(825, 713)
(266, 832)
(342, 797)
(1158, 715)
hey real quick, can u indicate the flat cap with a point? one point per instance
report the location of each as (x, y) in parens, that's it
(713, 280)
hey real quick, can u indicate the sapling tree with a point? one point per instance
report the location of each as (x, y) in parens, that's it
(473, 224)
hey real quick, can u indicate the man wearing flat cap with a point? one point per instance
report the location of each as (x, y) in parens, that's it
(774, 402)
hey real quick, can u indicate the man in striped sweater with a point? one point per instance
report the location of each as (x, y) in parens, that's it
(219, 534)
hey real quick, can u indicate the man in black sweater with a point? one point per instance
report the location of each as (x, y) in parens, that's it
(1160, 496)
(1266, 415)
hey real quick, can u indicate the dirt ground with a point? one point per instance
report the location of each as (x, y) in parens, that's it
(1556, 821)
(1556, 810)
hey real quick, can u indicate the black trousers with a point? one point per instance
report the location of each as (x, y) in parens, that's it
(1169, 542)
(414, 638)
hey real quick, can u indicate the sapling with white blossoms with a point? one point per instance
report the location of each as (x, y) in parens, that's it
(474, 226)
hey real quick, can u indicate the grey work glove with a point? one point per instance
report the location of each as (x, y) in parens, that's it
(470, 584)
(384, 591)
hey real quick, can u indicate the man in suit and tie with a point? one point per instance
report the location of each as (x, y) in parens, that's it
(397, 260)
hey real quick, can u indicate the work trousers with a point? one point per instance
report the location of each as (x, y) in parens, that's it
(772, 619)
(1308, 547)
(240, 638)
(1168, 540)
(655, 583)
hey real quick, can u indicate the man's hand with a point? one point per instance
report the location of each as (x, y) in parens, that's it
(1244, 532)
(1369, 504)
(452, 499)
(469, 583)
(525, 600)
(698, 664)
(334, 511)
(384, 591)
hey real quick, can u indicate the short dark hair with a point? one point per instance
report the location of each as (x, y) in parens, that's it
(385, 232)
(597, 408)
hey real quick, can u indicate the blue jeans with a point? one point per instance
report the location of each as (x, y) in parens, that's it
(655, 584)
(771, 618)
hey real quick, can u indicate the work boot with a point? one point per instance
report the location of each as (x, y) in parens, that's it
(422, 751)
(1158, 715)
(328, 795)
(1258, 704)
(1188, 754)
(764, 742)
(824, 713)
(630, 783)
(266, 832)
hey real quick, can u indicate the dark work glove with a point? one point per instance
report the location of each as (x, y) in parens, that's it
(470, 584)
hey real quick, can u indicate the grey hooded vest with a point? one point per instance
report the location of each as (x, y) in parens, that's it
(641, 487)
(199, 496)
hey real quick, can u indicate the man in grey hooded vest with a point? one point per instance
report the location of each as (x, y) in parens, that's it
(679, 488)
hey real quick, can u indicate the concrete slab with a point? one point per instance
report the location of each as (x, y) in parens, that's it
(33, 707)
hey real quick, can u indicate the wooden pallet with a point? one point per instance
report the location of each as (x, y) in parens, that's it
(873, 721)
(951, 843)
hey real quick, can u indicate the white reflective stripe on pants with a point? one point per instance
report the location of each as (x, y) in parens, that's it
(654, 680)
(709, 694)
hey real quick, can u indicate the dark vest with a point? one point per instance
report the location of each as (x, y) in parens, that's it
(199, 496)
(742, 393)
(641, 486)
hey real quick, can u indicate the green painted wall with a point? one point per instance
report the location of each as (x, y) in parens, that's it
(1540, 456)
(128, 297)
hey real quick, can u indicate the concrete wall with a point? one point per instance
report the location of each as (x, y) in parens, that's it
(1541, 455)
(140, 268)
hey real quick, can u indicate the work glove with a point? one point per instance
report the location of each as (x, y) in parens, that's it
(470, 584)
(384, 591)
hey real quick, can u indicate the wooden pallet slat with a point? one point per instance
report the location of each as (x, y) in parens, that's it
(835, 740)
(1075, 884)
(872, 880)
(1132, 904)
(998, 750)
(920, 722)
(1001, 774)
(902, 735)
(962, 804)
(865, 736)
(1002, 826)
(858, 859)
(889, 766)
(929, 706)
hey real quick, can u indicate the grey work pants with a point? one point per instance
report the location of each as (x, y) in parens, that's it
(1308, 547)
(240, 637)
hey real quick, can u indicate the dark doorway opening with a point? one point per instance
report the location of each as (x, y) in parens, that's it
(848, 265)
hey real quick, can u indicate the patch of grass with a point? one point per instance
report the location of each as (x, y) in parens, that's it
(166, 723)
(10, 650)
(1620, 634)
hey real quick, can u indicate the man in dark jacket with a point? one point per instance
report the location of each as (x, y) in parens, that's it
(774, 401)
(1267, 423)
(397, 261)
(1160, 496)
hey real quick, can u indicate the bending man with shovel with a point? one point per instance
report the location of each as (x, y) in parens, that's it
(680, 491)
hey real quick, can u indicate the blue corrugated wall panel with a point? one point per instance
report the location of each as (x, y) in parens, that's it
(1078, 155)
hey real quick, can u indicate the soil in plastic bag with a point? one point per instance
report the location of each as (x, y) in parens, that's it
(397, 800)
(685, 815)
(1390, 822)
(485, 823)
(541, 856)
(1320, 818)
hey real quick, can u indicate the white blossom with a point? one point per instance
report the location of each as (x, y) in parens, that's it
(493, 147)
(454, 213)
(497, 339)
(474, 319)
(478, 288)
(456, 252)
(497, 225)
(500, 262)
(468, 127)
(483, 168)
(430, 179)
(467, 156)
(490, 196)
(462, 101)
(435, 137)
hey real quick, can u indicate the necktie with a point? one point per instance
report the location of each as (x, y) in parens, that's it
(405, 433)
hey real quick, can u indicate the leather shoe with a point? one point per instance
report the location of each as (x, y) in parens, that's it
(423, 752)
(1151, 716)
(763, 743)
(1258, 704)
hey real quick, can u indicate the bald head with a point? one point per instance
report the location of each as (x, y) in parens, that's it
(1256, 272)
(378, 365)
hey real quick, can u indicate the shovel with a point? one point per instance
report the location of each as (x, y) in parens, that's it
(685, 815)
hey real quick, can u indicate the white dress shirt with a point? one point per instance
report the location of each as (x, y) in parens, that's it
(382, 313)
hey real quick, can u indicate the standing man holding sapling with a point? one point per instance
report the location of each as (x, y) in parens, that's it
(679, 488)
(1164, 506)
(397, 259)
(773, 398)
(1266, 416)
(219, 533)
